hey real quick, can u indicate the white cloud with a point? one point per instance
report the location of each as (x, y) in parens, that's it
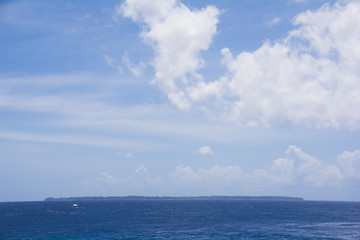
(274, 21)
(205, 150)
(128, 155)
(297, 170)
(138, 184)
(311, 77)
(312, 171)
(177, 35)
(77, 139)
(16, 84)
(93, 110)
(105, 178)
(110, 60)
(350, 163)
(137, 70)
(142, 170)
(183, 173)
(207, 179)
(308, 78)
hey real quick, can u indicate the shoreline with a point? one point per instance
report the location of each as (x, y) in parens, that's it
(192, 198)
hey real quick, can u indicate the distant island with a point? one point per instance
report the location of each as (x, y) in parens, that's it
(147, 198)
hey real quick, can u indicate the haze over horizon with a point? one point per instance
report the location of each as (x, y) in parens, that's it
(180, 98)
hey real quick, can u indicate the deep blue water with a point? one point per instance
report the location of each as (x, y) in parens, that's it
(177, 219)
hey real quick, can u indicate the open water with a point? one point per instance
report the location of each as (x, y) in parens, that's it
(179, 219)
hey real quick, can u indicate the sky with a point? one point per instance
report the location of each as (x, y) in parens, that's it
(180, 98)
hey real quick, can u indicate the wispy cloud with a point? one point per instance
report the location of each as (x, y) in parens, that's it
(88, 140)
(40, 16)
(274, 21)
(128, 155)
(57, 97)
(135, 69)
(110, 60)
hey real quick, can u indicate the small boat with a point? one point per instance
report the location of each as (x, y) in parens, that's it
(75, 205)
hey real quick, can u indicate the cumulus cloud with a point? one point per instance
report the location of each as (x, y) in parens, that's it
(350, 163)
(301, 168)
(177, 35)
(310, 77)
(296, 170)
(205, 150)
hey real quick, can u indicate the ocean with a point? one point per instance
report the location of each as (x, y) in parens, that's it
(180, 219)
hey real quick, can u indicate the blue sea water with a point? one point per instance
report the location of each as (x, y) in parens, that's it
(180, 219)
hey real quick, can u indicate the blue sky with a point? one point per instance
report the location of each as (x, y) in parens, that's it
(179, 98)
